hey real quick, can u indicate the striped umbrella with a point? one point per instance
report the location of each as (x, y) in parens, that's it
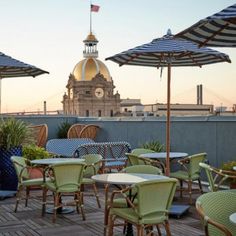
(10, 67)
(218, 30)
(167, 52)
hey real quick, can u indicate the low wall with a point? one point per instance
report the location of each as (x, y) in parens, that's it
(215, 135)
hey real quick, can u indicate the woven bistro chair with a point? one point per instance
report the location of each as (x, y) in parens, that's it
(24, 180)
(121, 202)
(65, 178)
(139, 151)
(74, 130)
(89, 131)
(189, 172)
(214, 209)
(40, 134)
(217, 177)
(93, 165)
(154, 199)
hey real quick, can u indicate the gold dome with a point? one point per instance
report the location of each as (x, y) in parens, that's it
(91, 37)
(88, 68)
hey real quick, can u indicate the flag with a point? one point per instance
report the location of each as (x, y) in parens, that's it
(95, 8)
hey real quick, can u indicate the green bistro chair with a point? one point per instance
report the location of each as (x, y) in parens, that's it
(93, 165)
(190, 171)
(216, 177)
(121, 202)
(66, 179)
(214, 209)
(24, 180)
(139, 151)
(154, 199)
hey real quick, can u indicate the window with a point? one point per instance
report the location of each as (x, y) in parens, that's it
(111, 113)
(99, 113)
(87, 92)
(87, 113)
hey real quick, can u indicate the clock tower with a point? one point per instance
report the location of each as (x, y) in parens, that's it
(90, 88)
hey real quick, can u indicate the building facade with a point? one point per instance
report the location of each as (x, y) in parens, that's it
(90, 88)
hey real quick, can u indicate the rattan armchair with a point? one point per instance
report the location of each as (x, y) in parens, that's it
(40, 134)
(65, 178)
(214, 209)
(217, 177)
(74, 130)
(24, 180)
(189, 172)
(154, 199)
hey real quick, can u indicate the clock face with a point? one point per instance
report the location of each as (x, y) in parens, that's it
(99, 92)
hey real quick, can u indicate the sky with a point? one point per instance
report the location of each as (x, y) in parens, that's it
(49, 34)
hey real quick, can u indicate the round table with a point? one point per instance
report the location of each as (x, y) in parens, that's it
(162, 155)
(125, 178)
(50, 161)
(232, 218)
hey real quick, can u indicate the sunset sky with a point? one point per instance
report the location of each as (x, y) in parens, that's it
(49, 34)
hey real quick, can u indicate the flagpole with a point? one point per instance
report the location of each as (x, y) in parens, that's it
(90, 17)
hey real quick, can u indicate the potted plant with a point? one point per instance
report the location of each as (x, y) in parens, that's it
(153, 145)
(228, 168)
(63, 129)
(13, 134)
(33, 152)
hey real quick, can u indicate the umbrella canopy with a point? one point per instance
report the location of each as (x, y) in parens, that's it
(10, 67)
(218, 30)
(167, 52)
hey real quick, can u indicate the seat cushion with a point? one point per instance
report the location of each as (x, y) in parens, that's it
(183, 175)
(130, 215)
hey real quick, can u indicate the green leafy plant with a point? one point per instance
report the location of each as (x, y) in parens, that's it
(14, 133)
(228, 167)
(153, 145)
(63, 129)
(32, 152)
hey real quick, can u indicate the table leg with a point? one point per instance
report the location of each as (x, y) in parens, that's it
(106, 209)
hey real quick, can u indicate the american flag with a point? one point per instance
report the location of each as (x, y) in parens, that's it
(95, 8)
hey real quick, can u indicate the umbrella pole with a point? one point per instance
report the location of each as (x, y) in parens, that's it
(0, 95)
(168, 122)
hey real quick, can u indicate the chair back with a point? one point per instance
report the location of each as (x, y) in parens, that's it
(93, 164)
(20, 165)
(194, 160)
(74, 130)
(155, 196)
(214, 209)
(68, 176)
(143, 169)
(139, 151)
(216, 177)
(89, 131)
(132, 159)
(66, 147)
(40, 134)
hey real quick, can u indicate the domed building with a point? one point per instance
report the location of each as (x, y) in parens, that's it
(90, 88)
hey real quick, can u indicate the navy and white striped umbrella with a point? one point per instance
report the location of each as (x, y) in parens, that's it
(218, 30)
(10, 67)
(167, 52)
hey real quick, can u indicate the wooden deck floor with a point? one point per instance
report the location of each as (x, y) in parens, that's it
(28, 220)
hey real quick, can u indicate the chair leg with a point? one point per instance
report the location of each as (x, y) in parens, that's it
(56, 205)
(27, 196)
(139, 230)
(200, 185)
(81, 205)
(190, 191)
(18, 197)
(96, 195)
(167, 228)
(44, 200)
(111, 225)
(181, 188)
(158, 230)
